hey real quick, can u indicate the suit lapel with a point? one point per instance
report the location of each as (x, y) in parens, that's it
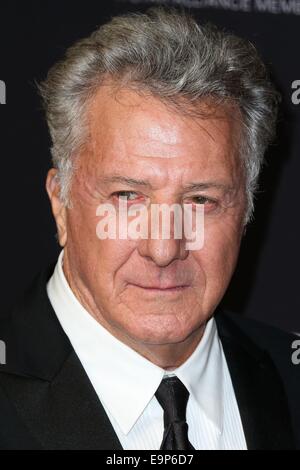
(64, 413)
(258, 388)
(51, 395)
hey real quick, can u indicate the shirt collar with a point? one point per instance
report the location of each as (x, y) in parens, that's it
(125, 369)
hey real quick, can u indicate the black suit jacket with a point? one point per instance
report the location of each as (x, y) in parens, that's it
(48, 402)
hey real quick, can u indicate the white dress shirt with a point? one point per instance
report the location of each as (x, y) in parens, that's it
(126, 382)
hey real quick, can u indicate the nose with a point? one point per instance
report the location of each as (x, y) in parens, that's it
(162, 247)
(162, 252)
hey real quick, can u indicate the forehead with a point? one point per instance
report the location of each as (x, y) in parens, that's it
(140, 132)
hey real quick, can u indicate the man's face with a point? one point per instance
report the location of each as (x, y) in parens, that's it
(140, 147)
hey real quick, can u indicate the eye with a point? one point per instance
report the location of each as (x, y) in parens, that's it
(203, 200)
(209, 203)
(125, 195)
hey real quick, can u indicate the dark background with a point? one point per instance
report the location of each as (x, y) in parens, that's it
(33, 35)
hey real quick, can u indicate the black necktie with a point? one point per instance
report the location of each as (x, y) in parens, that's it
(173, 397)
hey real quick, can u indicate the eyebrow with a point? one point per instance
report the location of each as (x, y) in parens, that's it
(125, 180)
(194, 186)
(207, 185)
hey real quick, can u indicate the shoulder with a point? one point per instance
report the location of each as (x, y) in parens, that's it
(262, 333)
(278, 343)
(257, 337)
(282, 347)
(30, 330)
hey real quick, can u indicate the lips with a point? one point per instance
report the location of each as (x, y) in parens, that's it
(171, 287)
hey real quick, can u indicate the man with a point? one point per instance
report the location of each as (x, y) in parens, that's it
(122, 344)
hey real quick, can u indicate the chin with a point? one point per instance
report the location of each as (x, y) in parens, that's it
(158, 334)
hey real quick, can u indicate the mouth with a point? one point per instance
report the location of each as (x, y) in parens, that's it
(159, 289)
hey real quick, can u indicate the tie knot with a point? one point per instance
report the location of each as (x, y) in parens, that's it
(173, 397)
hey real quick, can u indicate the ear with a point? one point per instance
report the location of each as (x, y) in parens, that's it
(58, 209)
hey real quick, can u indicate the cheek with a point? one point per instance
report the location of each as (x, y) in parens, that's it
(112, 255)
(98, 259)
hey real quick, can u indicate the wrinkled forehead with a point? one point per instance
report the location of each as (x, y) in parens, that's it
(126, 126)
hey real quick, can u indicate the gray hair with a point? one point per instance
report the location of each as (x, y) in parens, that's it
(168, 54)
